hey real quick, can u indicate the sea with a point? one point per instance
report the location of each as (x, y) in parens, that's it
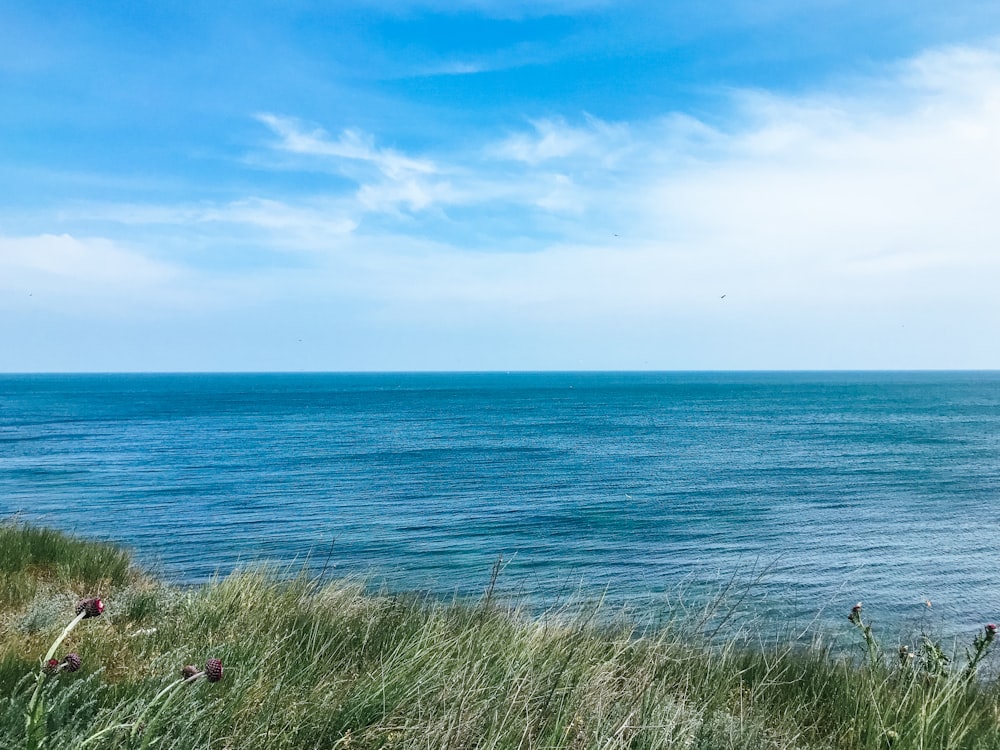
(794, 494)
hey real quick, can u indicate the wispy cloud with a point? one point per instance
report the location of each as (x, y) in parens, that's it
(89, 261)
(554, 139)
(506, 9)
(59, 271)
(388, 181)
(350, 145)
(456, 68)
(312, 224)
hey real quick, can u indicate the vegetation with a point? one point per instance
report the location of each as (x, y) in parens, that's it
(331, 665)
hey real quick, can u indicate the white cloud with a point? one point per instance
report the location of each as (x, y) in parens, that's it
(394, 182)
(455, 68)
(298, 226)
(551, 140)
(838, 186)
(413, 194)
(554, 139)
(281, 225)
(83, 262)
(62, 272)
(351, 145)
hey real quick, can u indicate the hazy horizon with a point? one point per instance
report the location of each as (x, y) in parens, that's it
(861, 371)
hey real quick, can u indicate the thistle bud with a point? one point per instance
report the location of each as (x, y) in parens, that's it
(72, 662)
(190, 671)
(991, 632)
(213, 670)
(51, 666)
(855, 615)
(92, 607)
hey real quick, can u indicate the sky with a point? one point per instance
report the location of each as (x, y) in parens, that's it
(499, 185)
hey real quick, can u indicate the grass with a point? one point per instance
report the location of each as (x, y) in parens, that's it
(33, 558)
(336, 666)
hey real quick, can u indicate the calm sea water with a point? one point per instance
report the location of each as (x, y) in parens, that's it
(845, 486)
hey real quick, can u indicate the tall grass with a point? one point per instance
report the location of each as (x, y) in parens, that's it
(31, 556)
(337, 666)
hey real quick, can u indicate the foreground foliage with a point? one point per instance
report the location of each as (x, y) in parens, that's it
(335, 666)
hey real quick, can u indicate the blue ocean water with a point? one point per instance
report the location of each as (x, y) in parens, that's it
(879, 487)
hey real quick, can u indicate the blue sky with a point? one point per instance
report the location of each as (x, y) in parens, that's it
(499, 185)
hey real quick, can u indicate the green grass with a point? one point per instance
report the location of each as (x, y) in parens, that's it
(33, 557)
(336, 666)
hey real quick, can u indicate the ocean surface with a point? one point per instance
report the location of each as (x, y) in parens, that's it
(836, 487)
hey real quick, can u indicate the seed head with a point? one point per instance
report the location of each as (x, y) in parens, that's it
(213, 670)
(92, 607)
(72, 662)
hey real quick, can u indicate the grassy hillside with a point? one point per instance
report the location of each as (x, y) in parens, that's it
(334, 666)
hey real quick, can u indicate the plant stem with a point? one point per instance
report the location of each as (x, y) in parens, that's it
(32, 720)
(96, 735)
(137, 724)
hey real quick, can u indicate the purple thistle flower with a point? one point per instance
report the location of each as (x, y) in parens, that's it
(51, 666)
(72, 662)
(93, 607)
(991, 632)
(213, 670)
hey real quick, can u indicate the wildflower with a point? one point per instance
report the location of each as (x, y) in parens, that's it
(991, 632)
(855, 615)
(72, 662)
(213, 670)
(51, 666)
(92, 607)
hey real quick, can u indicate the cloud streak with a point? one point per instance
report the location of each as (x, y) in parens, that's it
(351, 145)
